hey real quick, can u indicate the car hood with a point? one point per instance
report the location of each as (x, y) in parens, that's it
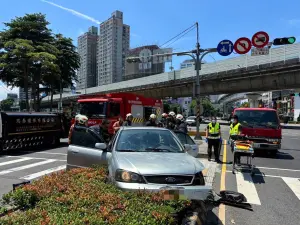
(147, 163)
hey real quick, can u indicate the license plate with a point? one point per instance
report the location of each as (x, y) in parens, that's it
(173, 193)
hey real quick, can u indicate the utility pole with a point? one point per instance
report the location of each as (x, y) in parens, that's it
(60, 96)
(200, 53)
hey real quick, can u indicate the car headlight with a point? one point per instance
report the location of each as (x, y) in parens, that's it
(128, 177)
(199, 179)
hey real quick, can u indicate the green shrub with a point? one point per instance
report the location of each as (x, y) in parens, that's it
(81, 196)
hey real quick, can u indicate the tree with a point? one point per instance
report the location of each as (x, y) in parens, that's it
(26, 49)
(244, 105)
(6, 104)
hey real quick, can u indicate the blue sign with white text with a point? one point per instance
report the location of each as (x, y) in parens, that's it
(225, 48)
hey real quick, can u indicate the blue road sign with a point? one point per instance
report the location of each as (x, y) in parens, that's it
(225, 48)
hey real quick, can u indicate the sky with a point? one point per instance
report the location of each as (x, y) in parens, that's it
(157, 21)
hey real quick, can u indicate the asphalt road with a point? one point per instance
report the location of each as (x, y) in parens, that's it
(274, 191)
(19, 166)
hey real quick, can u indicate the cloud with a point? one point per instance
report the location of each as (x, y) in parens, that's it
(78, 14)
(135, 35)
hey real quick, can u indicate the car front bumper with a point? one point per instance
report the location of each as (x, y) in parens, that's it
(267, 146)
(184, 192)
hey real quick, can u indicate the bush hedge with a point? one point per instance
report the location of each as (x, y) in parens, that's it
(81, 196)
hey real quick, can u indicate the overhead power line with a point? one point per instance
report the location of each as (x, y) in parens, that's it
(180, 37)
(181, 33)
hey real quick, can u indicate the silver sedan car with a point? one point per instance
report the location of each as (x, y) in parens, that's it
(148, 158)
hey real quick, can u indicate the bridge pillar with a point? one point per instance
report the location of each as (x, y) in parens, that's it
(253, 99)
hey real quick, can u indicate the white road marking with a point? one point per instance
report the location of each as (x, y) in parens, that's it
(266, 175)
(246, 186)
(269, 168)
(59, 160)
(15, 161)
(294, 185)
(49, 153)
(44, 172)
(26, 166)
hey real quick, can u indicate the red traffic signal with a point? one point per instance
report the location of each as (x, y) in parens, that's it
(284, 41)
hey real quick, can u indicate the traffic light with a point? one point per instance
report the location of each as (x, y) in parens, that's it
(284, 41)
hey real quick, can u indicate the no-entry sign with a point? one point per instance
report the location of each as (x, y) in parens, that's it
(260, 39)
(242, 45)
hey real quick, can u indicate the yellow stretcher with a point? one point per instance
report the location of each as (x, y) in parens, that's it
(243, 149)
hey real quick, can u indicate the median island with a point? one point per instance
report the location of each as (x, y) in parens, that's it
(82, 196)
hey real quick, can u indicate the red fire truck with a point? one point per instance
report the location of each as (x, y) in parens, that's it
(111, 106)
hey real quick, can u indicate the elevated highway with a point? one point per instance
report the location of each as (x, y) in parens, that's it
(278, 70)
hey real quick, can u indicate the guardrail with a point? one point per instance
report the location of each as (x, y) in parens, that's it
(289, 54)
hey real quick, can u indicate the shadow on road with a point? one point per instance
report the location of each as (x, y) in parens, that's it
(25, 151)
(213, 219)
(279, 155)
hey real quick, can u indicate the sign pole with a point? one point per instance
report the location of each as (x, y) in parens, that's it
(198, 68)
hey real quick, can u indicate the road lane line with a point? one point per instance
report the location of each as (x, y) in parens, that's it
(294, 185)
(15, 161)
(49, 153)
(222, 186)
(59, 160)
(269, 168)
(26, 166)
(246, 186)
(44, 172)
(266, 175)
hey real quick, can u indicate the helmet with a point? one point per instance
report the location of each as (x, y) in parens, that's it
(164, 115)
(172, 113)
(81, 119)
(152, 116)
(128, 115)
(179, 117)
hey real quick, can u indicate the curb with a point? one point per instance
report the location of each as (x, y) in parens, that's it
(197, 215)
(291, 127)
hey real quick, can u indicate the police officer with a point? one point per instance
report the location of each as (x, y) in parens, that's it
(235, 129)
(180, 124)
(213, 136)
(152, 121)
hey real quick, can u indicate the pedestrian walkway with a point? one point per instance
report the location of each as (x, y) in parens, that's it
(255, 188)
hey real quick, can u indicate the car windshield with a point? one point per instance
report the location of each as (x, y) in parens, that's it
(93, 109)
(148, 140)
(258, 118)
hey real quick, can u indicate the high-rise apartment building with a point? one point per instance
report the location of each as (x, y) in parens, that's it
(87, 49)
(113, 46)
(22, 94)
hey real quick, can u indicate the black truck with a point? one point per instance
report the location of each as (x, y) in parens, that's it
(19, 130)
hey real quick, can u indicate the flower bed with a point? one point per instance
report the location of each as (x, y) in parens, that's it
(81, 196)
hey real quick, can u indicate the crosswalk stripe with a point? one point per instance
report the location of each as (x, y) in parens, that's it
(246, 186)
(44, 172)
(26, 166)
(15, 161)
(294, 185)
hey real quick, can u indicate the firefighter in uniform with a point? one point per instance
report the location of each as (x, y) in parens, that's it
(128, 121)
(235, 129)
(213, 136)
(163, 121)
(152, 121)
(171, 121)
(180, 124)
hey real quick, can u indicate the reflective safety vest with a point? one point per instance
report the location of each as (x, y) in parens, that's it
(234, 130)
(214, 131)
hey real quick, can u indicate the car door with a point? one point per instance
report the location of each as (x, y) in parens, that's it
(82, 151)
(186, 139)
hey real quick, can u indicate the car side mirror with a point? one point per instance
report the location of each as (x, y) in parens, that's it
(188, 148)
(101, 146)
